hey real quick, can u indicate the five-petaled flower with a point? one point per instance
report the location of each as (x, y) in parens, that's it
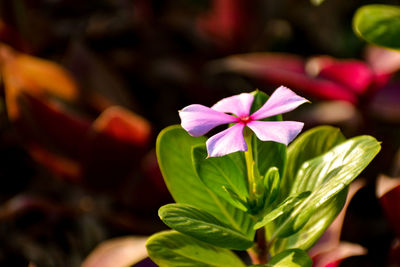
(198, 120)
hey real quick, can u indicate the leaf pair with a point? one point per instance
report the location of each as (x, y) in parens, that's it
(324, 170)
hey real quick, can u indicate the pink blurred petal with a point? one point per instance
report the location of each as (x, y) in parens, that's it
(355, 75)
(281, 101)
(278, 131)
(382, 60)
(287, 69)
(227, 141)
(197, 120)
(333, 257)
(117, 252)
(238, 104)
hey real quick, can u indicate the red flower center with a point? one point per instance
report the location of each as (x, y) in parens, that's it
(245, 119)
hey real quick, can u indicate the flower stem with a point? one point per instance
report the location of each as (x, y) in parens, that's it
(250, 166)
(258, 253)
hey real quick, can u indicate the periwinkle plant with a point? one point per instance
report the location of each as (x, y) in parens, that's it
(245, 191)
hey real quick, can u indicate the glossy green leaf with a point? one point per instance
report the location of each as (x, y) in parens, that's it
(378, 24)
(203, 226)
(170, 248)
(174, 155)
(223, 175)
(327, 176)
(284, 208)
(308, 145)
(315, 226)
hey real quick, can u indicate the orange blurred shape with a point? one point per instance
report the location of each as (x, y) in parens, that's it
(24, 73)
(123, 125)
(59, 165)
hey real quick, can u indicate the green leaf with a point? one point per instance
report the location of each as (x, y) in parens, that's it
(291, 258)
(285, 207)
(271, 185)
(203, 226)
(170, 248)
(174, 155)
(308, 145)
(223, 175)
(315, 226)
(326, 176)
(378, 24)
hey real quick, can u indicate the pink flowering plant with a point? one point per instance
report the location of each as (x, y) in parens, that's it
(249, 187)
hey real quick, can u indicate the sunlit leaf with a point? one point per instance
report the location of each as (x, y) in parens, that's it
(378, 24)
(285, 207)
(170, 248)
(327, 176)
(308, 145)
(203, 226)
(117, 252)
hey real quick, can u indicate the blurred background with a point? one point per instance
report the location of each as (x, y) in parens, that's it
(87, 85)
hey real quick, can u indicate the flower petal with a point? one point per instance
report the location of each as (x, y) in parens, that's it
(227, 141)
(278, 131)
(281, 101)
(197, 119)
(238, 104)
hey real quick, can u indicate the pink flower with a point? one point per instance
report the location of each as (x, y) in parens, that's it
(198, 120)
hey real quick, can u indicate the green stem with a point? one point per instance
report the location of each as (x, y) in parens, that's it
(250, 166)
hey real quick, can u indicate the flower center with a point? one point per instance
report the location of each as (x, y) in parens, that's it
(245, 119)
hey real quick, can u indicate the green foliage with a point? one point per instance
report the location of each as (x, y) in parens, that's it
(326, 176)
(378, 24)
(223, 175)
(170, 248)
(284, 208)
(296, 195)
(271, 185)
(174, 154)
(203, 226)
(308, 145)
